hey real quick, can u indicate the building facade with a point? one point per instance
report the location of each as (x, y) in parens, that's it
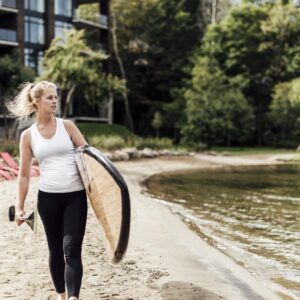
(29, 26)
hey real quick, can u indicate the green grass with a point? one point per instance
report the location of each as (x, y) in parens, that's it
(252, 150)
(90, 130)
(296, 158)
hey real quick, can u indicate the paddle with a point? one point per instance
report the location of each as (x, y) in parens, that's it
(30, 220)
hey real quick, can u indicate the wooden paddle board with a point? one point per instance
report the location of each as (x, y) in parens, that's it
(109, 198)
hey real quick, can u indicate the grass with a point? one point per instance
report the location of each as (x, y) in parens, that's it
(252, 150)
(90, 130)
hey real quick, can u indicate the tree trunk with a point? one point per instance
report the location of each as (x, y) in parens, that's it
(68, 100)
(123, 74)
(214, 11)
(259, 124)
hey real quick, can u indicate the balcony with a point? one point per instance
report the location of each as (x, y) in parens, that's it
(8, 6)
(8, 37)
(85, 19)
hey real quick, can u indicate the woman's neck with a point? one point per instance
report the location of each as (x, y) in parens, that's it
(44, 119)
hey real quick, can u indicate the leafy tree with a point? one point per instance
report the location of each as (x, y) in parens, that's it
(12, 74)
(234, 44)
(75, 67)
(89, 12)
(284, 114)
(155, 40)
(281, 32)
(217, 111)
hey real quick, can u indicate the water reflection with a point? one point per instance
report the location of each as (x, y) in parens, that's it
(257, 209)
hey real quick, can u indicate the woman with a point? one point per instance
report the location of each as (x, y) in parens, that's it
(62, 203)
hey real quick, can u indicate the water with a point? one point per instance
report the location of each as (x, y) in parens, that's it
(251, 213)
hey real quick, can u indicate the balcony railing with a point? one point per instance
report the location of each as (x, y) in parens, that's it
(8, 3)
(94, 18)
(8, 35)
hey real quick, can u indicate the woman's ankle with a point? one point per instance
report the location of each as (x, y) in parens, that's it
(61, 296)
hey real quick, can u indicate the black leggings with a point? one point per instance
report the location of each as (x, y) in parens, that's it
(64, 217)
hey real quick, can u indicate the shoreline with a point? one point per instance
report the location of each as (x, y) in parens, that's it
(267, 290)
(165, 258)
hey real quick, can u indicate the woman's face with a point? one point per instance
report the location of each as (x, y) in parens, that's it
(48, 101)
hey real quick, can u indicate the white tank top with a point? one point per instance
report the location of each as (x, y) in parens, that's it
(56, 156)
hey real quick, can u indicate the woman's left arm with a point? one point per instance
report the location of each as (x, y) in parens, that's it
(75, 134)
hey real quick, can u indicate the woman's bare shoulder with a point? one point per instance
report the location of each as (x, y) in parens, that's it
(69, 124)
(26, 136)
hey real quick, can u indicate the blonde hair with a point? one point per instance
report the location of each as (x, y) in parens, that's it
(24, 104)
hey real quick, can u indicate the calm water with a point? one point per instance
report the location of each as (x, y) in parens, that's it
(251, 213)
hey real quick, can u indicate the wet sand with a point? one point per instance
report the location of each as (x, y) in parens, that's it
(165, 259)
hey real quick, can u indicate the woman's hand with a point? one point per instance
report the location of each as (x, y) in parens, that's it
(20, 216)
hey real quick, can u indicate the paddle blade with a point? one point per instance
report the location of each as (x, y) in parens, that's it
(31, 221)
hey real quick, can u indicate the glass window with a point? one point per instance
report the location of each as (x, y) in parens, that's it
(34, 30)
(35, 5)
(61, 28)
(33, 58)
(63, 8)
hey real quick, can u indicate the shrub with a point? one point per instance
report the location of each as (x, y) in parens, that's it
(192, 145)
(10, 146)
(90, 130)
(107, 142)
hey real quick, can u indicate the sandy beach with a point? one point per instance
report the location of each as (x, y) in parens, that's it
(165, 259)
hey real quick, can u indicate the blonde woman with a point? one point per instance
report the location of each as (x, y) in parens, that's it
(62, 202)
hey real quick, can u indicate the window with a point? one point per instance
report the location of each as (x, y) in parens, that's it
(33, 59)
(63, 8)
(61, 28)
(35, 5)
(34, 30)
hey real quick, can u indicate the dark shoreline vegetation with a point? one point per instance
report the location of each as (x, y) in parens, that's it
(110, 138)
(197, 78)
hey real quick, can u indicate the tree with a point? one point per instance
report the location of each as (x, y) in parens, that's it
(75, 67)
(284, 114)
(235, 45)
(282, 42)
(12, 74)
(155, 41)
(122, 70)
(260, 43)
(217, 111)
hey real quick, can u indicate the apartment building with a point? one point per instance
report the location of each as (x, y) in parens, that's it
(29, 26)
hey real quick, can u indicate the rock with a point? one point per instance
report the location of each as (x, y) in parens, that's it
(120, 155)
(165, 152)
(212, 153)
(225, 153)
(148, 153)
(132, 152)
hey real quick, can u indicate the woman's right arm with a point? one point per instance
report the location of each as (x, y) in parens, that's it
(24, 173)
